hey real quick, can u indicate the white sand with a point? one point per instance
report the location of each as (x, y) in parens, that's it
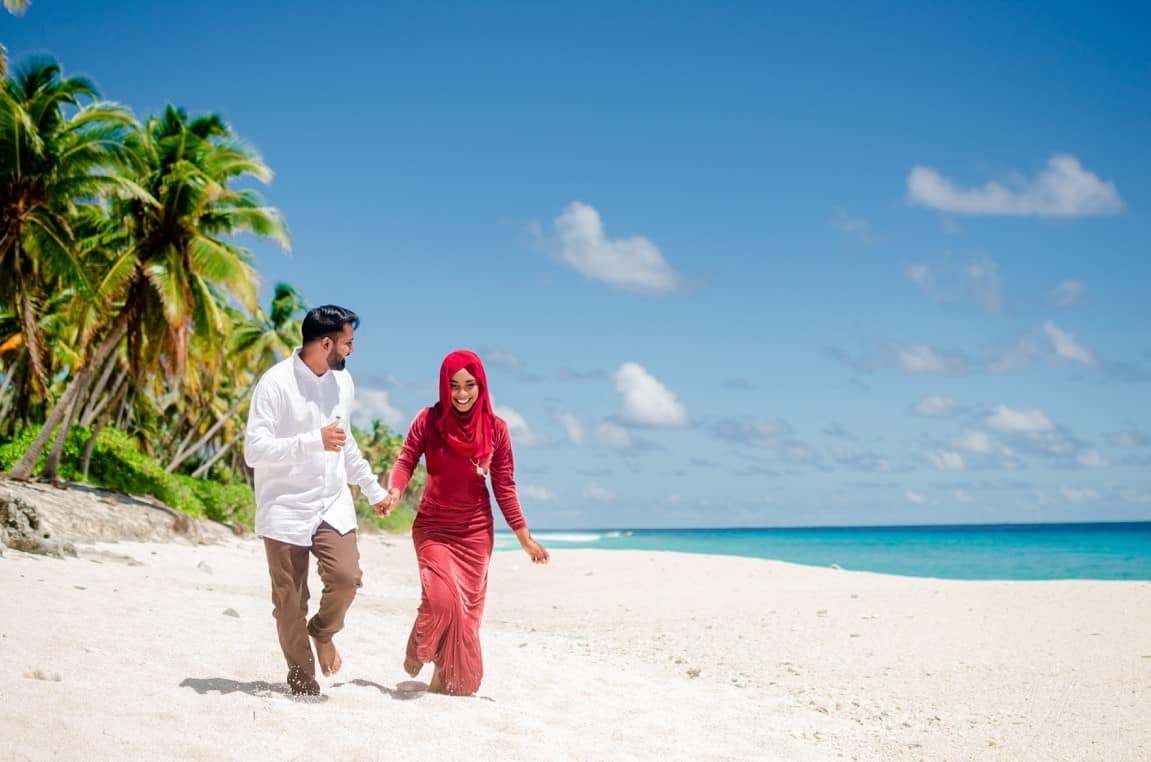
(589, 658)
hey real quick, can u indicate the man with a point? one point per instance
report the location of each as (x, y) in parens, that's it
(303, 458)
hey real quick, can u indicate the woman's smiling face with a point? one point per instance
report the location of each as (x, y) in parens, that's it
(465, 390)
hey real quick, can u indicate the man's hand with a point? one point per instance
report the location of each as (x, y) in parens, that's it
(333, 436)
(385, 506)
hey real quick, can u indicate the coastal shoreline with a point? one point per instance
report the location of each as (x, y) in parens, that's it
(132, 647)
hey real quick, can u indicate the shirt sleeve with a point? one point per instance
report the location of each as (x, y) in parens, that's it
(410, 453)
(261, 445)
(360, 471)
(504, 480)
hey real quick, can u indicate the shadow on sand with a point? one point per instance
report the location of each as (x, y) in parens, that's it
(405, 691)
(222, 685)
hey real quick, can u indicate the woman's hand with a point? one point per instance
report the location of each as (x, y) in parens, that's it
(385, 506)
(538, 553)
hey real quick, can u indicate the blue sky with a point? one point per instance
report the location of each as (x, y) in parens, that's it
(729, 264)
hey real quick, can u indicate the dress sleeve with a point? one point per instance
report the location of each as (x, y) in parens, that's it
(410, 453)
(504, 479)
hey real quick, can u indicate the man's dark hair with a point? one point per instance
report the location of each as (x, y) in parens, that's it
(327, 320)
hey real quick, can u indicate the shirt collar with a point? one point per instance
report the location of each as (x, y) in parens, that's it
(302, 369)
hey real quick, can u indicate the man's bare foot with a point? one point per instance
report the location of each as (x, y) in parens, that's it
(328, 657)
(301, 683)
(436, 685)
(412, 667)
(310, 688)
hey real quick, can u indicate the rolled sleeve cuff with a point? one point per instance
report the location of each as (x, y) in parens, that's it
(374, 492)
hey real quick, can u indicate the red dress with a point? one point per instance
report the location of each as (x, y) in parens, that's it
(453, 535)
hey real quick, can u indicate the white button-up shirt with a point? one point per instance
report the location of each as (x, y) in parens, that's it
(299, 484)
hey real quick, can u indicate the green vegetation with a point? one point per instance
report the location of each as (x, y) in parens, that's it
(130, 332)
(382, 446)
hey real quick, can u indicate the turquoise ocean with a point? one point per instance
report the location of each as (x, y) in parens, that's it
(1002, 551)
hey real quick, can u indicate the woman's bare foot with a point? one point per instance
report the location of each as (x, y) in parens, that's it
(436, 685)
(328, 657)
(412, 667)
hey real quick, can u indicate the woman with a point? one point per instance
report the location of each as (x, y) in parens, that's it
(462, 442)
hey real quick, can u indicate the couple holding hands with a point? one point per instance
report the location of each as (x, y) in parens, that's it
(304, 460)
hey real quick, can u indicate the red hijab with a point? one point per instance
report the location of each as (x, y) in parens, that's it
(470, 434)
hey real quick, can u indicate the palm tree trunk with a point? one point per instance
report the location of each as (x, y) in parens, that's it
(117, 394)
(22, 471)
(7, 394)
(92, 412)
(191, 433)
(183, 454)
(203, 469)
(89, 447)
(52, 463)
(16, 406)
(89, 413)
(122, 415)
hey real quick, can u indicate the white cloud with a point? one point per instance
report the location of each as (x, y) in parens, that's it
(573, 427)
(1068, 293)
(982, 280)
(1063, 189)
(800, 453)
(1066, 346)
(1090, 458)
(1015, 358)
(950, 281)
(1127, 438)
(518, 426)
(614, 436)
(946, 460)
(508, 360)
(920, 273)
(1019, 421)
(534, 492)
(373, 405)
(917, 498)
(937, 407)
(974, 441)
(598, 493)
(605, 434)
(634, 263)
(1078, 495)
(921, 358)
(646, 401)
(1135, 496)
(861, 460)
(757, 432)
(855, 226)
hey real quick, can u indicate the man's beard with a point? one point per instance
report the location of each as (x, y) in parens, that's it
(335, 362)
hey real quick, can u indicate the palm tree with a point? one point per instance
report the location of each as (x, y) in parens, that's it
(177, 264)
(257, 344)
(51, 165)
(61, 152)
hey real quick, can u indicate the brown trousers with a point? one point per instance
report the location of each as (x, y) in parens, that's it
(338, 562)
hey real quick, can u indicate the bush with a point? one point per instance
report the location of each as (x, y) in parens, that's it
(399, 521)
(230, 503)
(118, 464)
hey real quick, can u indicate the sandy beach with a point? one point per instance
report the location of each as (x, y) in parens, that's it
(168, 650)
